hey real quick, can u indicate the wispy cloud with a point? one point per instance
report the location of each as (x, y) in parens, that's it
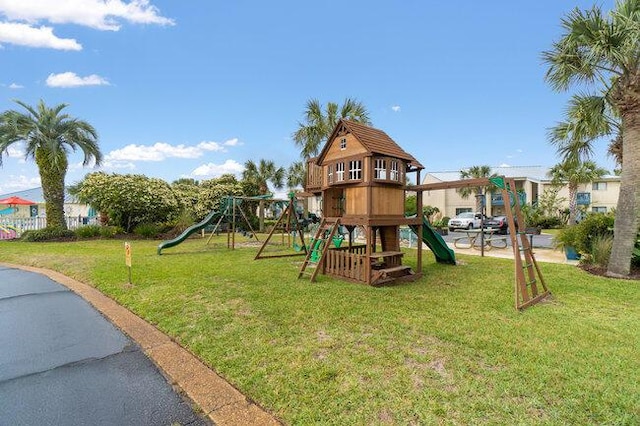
(97, 14)
(395, 108)
(14, 183)
(16, 86)
(27, 35)
(71, 79)
(211, 170)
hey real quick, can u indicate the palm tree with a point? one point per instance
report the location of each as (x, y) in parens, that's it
(49, 136)
(296, 175)
(475, 172)
(319, 124)
(258, 176)
(572, 174)
(603, 52)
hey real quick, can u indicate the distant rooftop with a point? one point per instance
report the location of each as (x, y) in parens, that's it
(35, 195)
(536, 173)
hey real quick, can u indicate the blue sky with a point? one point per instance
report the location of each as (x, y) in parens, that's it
(195, 88)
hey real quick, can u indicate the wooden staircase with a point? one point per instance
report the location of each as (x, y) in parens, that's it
(530, 287)
(318, 248)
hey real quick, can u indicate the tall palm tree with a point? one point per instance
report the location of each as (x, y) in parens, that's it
(319, 124)
(296, 175)
(49, 135)
(475, 172)
(259, 175)
(572, 174)
(602, 51)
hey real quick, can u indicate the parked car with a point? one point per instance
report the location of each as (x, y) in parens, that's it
(467, 220)
(500, 223)
(497, 222)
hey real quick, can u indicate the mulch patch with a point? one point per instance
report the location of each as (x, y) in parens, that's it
(600, 271)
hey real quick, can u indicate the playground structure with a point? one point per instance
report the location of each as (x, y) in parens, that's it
(291, 227)
(361, 175)
(228, 214)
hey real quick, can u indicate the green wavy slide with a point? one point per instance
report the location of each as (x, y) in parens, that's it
(211, 218)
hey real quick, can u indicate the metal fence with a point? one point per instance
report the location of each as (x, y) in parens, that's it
(13, 227)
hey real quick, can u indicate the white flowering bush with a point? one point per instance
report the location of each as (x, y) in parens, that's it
(129, 200)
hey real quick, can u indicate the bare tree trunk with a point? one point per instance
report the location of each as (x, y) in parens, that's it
(573, 202)
(626, 222)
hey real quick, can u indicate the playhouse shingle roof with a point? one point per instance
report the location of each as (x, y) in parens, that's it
(375, 141)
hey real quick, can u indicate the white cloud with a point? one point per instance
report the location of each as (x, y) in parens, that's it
(212, 170)
(504, 165)
(15, 86)
(232, 142)
(211, 146)
(16, 151)
(117, 165)
(396, 108)
(14, 183)
(27, 35)
(71, 79)
(161, 151)
(97, 14)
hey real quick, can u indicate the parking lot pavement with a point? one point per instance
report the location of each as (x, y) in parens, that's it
(62, 363)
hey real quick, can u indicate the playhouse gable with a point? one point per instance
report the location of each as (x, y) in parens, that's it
(350, 138)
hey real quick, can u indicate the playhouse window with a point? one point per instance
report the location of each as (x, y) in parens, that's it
(343, 143)
(330, 173)
(355, 170)
(339, 172)
(395, 174)
(380, 169)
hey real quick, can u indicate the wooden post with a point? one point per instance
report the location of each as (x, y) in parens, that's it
(419, 240)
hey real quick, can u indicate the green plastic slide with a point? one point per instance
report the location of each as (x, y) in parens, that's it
(211, 218)
(436, 243)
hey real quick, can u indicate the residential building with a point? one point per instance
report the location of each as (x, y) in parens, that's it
(531, 182)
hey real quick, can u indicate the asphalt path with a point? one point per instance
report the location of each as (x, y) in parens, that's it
(539, 241)
(62, 363)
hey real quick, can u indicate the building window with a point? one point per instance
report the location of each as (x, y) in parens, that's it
(355, 170)
(599, 209)
(380, 169)
(599, 186)
(343, 143)
(394, 175)
(330, 173)
(339, 172)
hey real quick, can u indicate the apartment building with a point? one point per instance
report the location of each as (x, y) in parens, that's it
(531, 181)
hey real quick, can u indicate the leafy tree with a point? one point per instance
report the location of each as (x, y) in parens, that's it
(214, 191)
(49, 135)
(574, 173)
(129, 200)
(319, 124)
(602, 51)
(475, 172)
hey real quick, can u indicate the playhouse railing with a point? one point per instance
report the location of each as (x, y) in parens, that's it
(347, 265)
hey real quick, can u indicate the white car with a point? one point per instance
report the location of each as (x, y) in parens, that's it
(467, 220)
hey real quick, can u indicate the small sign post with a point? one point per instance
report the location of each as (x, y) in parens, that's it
(127, 258)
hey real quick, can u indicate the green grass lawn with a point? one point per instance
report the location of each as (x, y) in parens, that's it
(449, 348)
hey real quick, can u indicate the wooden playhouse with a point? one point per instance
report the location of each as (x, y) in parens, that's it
(362, 173)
